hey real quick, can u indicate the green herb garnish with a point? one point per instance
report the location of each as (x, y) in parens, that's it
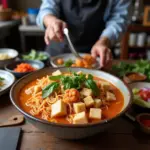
(91, 84)
(68, 63)
(141, 66)
(1, 79)
(49, 89)
(77, 81)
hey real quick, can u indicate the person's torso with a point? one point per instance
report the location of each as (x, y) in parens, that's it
(85, 20)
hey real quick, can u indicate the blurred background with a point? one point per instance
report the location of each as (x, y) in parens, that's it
(19, 31)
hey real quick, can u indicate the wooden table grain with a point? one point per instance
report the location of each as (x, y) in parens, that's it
(123, 135)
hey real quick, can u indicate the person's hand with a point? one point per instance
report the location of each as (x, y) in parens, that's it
(101, 49)
(54, 29)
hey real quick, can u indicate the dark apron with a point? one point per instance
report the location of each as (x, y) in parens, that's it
(85, 20)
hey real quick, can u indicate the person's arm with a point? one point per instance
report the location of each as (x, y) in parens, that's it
(116, 25)
(48, 8)
(117, 21)
(48, 19)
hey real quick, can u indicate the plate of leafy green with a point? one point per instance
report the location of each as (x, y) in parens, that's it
(36, 55)
(140, 66)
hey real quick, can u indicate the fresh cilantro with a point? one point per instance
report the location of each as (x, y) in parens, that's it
(141, 66)
(68, 63)
(49, 89)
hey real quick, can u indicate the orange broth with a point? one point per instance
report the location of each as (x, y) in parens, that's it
(113, 109)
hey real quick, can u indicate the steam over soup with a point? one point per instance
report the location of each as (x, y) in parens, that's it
(71, 98)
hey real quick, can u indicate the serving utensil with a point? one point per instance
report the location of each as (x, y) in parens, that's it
(14, 120)
(73, 50)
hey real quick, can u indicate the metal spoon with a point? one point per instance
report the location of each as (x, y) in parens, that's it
(66, 32)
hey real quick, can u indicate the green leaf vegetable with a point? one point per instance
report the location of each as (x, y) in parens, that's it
(141, 66)
(68, 63)
(33, 55)
(90, 83)
(49, 89)
(1, 79)
(77, 81)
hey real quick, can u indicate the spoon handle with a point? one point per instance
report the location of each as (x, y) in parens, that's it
(66, 32)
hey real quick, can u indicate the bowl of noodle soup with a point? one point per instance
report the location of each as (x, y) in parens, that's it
(71, 104)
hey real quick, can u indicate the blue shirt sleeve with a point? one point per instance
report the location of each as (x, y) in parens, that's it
(47, 7)
(117, 20)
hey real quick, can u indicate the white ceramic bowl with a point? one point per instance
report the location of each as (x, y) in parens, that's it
(8, 82)
(11, 52)
(70, 131)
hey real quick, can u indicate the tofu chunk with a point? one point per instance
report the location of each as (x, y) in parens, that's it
(79, 107)
(88, 101)
(80, 118)
(58, 109)
(105, 85)
(97, 103)
(95, 113)
(110, 96)
(86, 92)
(56, 73)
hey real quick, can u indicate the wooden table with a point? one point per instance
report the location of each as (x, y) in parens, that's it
(122, 136)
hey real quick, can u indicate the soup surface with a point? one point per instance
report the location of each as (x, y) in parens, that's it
(71, 98)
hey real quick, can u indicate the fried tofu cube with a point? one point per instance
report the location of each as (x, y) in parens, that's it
(110, 96)
(56, 73)
(86, 92)
(97, 103)
(105, 85)
(59, 108)
(80, 118)
(79, 107)
(88, 101)
(95, 113)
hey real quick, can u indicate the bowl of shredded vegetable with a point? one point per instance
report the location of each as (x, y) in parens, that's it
(24, 67)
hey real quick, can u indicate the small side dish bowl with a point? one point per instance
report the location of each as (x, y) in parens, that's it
(140, 105)
(134, 77)
(9, 79)
(35, 64)
(35, 55)
(144, 122)
(71, 131)
(9, 54)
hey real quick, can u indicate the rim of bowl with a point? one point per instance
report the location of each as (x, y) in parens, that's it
(9, 49)
(70, 125)
(27, 61)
